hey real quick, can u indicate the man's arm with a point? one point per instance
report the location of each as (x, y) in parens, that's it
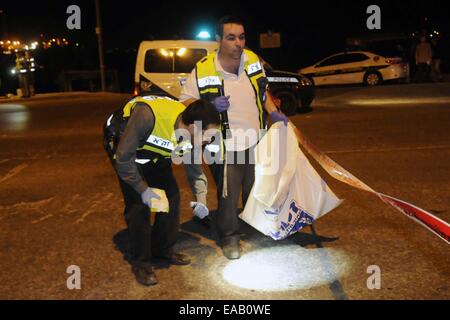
(270, 105)
(272, 109)
(416, 54)
(198, 181)
(139, 126)
(430, 54)
(189, 91)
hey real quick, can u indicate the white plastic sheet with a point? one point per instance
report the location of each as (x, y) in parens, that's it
(288, 193)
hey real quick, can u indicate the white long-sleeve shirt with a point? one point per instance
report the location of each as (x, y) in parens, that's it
(243, 114)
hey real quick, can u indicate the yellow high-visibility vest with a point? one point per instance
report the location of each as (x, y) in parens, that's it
(210, 82)
(162, 140)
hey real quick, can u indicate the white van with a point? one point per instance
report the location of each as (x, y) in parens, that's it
(163, 66)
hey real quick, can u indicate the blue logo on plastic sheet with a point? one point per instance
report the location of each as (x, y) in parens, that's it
(276, 235)
(297, 219)
(271, 213)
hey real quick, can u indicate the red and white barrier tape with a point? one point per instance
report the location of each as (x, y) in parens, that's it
(438, 226)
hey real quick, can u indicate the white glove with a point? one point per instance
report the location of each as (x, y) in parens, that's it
(200, 210)
(148, 195)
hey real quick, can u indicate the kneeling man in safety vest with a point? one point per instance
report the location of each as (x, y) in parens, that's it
(140, 139)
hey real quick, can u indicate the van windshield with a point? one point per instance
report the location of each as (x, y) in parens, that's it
(172, 60)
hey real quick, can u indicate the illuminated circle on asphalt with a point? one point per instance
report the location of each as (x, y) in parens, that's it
(283, 268)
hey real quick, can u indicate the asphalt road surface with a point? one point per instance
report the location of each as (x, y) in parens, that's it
(60, 205)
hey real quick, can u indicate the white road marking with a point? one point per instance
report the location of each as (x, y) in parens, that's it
(13, 172)
(42, 219)
(68, 208)
(100, 199)
(18, 208)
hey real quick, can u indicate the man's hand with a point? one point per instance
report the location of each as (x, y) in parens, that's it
(148, 195)
(222, 103)
(200, 210)
(278, 116)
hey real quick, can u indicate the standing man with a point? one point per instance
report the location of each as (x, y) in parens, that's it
(23, 73)
(234, 80)
(424, 56)
(437, 56)
(145, 131)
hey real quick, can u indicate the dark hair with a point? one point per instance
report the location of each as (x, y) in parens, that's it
(226, 20)
(201, 110)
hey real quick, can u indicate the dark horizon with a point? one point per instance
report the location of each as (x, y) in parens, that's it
(309, 32)
(126, 25)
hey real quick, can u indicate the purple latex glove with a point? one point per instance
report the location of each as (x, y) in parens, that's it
(278, 116)
(222, 104)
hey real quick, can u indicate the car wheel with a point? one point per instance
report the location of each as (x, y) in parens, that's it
(289, 102)
(304, 106)
(373, 78)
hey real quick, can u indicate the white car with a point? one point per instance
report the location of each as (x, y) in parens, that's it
(356, 67)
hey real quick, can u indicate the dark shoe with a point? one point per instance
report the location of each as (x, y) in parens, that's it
(231, 249)
(145, 275)
(205, 222)
(177, 259)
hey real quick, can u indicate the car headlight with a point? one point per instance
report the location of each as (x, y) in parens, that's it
(305, 82)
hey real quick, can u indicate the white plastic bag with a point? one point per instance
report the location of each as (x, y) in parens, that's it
(285, 200)
(275, 157)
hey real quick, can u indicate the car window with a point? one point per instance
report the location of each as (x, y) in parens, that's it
(185, 59)
(344, 58)
(356, 57)
(172, 60)
(339, 59)
(159, 61)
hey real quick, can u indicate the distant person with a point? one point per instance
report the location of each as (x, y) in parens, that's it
(424, 57)
(23, 74)
(24, 69)
(30, 66)
(437, 56)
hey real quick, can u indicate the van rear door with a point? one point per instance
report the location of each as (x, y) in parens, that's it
(168, 67)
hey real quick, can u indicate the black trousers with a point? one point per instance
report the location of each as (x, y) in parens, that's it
(147, 241)
(24, 83)
(240, 177)
(423, 73)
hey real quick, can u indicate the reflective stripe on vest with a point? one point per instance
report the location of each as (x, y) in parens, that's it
(210, 82)
(162, 139)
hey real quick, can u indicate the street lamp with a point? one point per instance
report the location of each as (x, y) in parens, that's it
(98, 31)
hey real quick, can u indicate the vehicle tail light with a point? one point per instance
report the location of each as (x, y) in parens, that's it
(136, 89)
(394, 60)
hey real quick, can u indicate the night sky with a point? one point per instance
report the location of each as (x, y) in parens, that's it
(310, 30)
